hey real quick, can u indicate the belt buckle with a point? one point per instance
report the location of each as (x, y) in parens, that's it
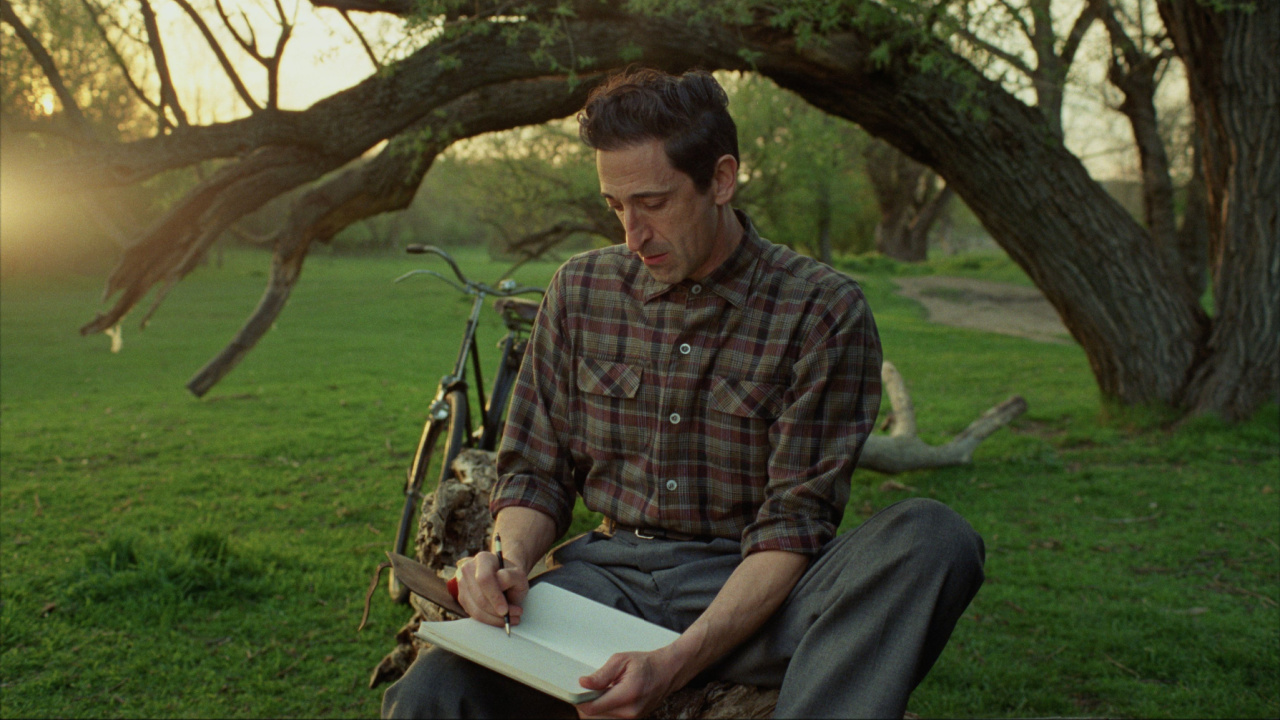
(642, 536)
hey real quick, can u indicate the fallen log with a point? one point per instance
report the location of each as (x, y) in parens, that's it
(902, 450)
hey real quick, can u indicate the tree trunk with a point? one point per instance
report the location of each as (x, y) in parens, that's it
(1093, 262)
(1193, 233)
(1233, 71)
(900, 185)
(1157, 187)
(1134, 72)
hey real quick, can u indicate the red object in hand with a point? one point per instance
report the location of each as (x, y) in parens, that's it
(453, 587)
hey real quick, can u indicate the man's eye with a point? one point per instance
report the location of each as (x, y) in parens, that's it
(655, 205)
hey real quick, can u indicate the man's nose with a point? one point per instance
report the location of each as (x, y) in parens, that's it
(637, 230)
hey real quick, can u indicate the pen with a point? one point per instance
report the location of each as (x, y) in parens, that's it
(497, 548)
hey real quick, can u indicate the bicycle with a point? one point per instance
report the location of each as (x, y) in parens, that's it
(449, 414)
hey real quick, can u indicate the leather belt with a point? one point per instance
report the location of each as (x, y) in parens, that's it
(611, 528)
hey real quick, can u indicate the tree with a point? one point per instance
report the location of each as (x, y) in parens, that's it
(1140, 55)
(63, 84)
(886, 66)
(991, 33)
(801, 169)
(1234, 77)
(910, 202)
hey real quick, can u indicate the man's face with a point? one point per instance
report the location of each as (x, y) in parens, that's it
(677, 231)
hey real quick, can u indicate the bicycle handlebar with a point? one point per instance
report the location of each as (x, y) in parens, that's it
(467, 286)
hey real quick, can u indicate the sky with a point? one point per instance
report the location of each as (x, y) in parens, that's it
(323, 56)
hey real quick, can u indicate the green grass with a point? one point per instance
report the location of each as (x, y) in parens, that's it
(163, 556)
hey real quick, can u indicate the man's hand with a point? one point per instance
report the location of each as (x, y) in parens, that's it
(634, 684)
(487, 593)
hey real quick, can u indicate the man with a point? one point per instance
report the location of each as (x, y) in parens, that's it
(709, 393)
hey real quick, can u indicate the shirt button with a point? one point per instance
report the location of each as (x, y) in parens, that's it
(695, 289)
(685, 349)
(672, 485)
(675, 418)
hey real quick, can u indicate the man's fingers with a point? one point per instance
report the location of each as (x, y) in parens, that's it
(606, 675)
(478, 589)
(487, 593)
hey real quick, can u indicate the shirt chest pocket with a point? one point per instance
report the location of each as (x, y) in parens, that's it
(747, 398)
(742, 412)
(612, 421)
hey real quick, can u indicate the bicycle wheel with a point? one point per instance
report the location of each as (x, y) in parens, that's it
(454, 427)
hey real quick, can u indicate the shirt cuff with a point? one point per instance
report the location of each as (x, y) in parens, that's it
(530, 492)
(796, 534)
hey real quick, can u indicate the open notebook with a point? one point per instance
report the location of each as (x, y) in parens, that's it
(561, 637)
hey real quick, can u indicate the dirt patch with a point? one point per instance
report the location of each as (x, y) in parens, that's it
(985, 305)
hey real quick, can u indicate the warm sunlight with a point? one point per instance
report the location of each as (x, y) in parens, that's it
(48, 103)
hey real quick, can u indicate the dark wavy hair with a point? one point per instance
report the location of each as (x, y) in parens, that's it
(689, 113)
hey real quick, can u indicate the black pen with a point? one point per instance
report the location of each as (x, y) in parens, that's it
(497, 548)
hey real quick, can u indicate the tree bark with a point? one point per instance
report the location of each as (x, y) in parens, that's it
(1135, 72)
(1193, 233)
(1234, 76)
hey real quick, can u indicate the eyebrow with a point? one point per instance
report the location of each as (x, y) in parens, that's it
(639, 195)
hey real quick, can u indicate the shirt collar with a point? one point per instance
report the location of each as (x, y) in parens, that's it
(731, 280)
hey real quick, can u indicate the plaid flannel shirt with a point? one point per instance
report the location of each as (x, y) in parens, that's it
(735, 406)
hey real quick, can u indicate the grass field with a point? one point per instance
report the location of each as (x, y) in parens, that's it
(163, 556)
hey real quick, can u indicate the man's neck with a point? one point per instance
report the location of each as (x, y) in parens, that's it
(729, 231)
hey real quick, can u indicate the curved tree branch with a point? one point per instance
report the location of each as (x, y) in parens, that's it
(902, 450)
(388, 182)
(392, 7)
(364, 43)
(339, 129)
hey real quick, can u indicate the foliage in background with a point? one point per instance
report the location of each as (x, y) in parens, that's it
(67, 231)
(802, 173)
(89, 66)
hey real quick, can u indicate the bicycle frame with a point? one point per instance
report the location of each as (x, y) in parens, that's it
(449, 413)
(457, 380)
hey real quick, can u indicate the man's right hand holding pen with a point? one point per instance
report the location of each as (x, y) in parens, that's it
(489, 592)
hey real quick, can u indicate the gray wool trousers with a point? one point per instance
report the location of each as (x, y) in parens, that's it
(856, 635)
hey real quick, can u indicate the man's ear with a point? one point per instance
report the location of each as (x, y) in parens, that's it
(724, 182)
